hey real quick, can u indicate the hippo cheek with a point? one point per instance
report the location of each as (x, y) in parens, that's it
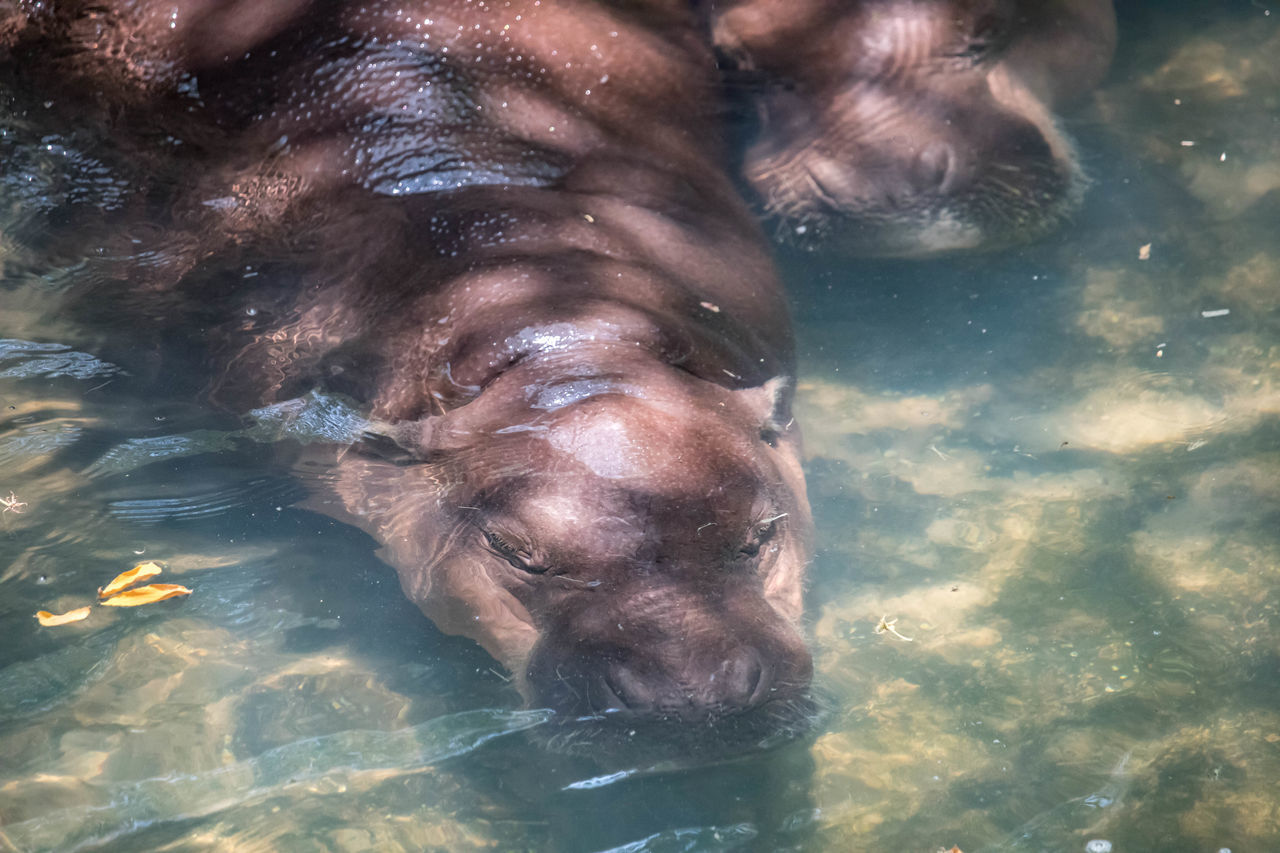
(667, 653)
(469, 603)
(435, 550)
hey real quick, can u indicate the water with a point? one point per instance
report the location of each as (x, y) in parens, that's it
(1054, 470)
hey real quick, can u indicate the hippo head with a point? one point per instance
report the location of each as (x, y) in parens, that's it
(901, 127)
(965, 160)
(630, 549)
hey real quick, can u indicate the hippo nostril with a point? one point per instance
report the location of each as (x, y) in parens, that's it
(744, 681)
(730, 676)
(935, 167)
(604, 698)
(629, 691)
(737, 682)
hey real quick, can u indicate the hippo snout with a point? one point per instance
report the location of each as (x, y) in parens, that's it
(741, 680)
(686, 675)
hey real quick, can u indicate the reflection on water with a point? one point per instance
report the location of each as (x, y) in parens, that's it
(1057, 469)
(318, 764)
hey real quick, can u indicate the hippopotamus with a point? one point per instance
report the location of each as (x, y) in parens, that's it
(507, 231)
(914, 127)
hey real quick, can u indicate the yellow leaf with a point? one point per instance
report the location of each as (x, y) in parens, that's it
(49, 620)
(146, 594)
(139, 572)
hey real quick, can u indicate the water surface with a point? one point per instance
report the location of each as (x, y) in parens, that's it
(1054, 471)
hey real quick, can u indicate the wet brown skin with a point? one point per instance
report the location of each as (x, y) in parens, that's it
(506, 230)
(912, 127)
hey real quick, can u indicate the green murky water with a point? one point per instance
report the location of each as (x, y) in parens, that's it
(1055, 472)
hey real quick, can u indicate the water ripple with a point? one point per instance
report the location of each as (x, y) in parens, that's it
(37, 685)
(1079, 814)
(137, 452)
(32, 360)
(689, 839)
(125, 807)
(34, 440)
(202, 505)
(313, 418)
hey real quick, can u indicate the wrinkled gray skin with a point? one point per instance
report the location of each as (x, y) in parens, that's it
(912, 127)
(508, 232)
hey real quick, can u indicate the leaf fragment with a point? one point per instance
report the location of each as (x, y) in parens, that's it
(146, 595)
(142, 571)
(50, 620)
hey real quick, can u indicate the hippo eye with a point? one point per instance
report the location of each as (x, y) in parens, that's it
(989, 37)
(517, 556)
(761, 532)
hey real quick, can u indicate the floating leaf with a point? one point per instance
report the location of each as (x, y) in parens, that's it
(146, 594)
(50, 620)
(139, 572)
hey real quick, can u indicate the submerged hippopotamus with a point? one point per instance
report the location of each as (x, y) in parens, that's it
(506, 229)
(909, 127)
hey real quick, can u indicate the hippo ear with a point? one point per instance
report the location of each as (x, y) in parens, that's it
(770, 406)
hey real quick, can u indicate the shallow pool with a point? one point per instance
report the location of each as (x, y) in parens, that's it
(1047, 489)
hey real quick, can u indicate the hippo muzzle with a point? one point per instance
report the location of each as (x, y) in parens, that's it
(662, 650)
